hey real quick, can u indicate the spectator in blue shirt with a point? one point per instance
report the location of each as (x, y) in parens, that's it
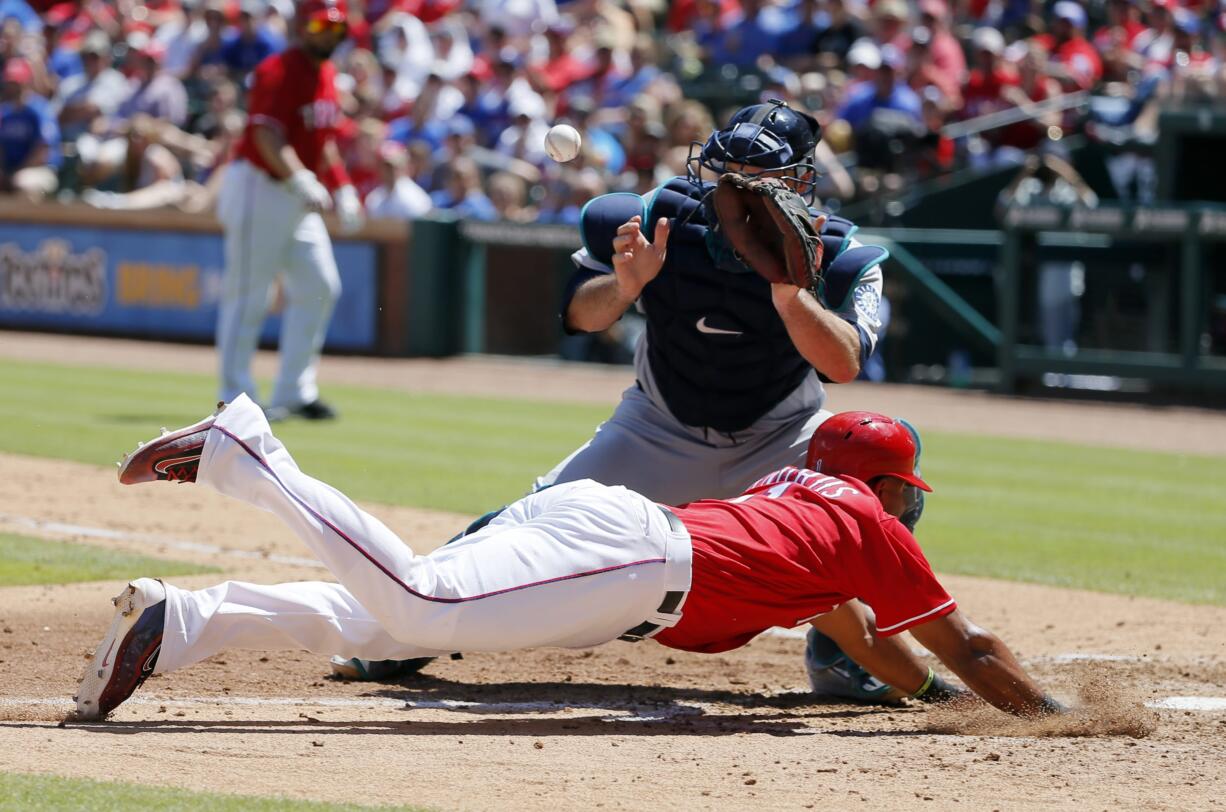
(251, 43)
(422, 123)
(61, 62)
(623, 90)
(799, 40)
(887, 91)
(20, 10)
(461, 193)
(29, 137)
(747, 39)
(208, 52)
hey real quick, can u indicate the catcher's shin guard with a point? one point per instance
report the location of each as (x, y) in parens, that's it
(833, 674)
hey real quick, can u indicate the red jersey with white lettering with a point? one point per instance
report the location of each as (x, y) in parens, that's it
(293, 96)
(796, 545)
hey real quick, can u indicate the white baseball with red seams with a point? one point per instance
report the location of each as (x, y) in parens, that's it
(562, 143)
(607, 554)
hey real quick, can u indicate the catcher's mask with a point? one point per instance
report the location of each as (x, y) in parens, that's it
(770, 136)
(866, 445)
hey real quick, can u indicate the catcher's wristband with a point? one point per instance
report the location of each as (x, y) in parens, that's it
(936, 689)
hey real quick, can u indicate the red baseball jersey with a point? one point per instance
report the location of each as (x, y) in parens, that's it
(291, 95)
(797, 545)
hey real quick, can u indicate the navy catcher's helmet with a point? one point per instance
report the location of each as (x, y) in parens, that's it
(769, 136)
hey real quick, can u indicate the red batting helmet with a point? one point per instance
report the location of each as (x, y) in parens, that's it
(332, 11)
(866, 445)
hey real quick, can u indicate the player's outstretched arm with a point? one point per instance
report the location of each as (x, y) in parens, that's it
(985, 664)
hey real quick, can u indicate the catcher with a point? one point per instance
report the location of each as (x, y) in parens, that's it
(752, 300)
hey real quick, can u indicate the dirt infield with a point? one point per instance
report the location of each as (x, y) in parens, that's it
(623, 726)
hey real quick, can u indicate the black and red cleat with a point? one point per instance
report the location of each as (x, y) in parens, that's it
(174, 456)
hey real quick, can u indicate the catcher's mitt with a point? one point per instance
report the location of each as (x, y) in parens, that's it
(770, 228)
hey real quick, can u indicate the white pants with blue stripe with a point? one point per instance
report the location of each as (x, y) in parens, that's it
(573, 566)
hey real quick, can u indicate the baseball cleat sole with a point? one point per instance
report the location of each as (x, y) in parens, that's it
(127, 654)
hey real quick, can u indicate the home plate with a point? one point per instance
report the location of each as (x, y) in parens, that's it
(1190, 703)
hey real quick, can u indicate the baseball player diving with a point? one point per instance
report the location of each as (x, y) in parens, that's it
(269, 207)
(575, 565)
(742, 329)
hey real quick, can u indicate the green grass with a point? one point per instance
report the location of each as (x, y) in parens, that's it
(26, 561)
(1114, 520)
(25, 792)
(446, 452)
(1106, 519)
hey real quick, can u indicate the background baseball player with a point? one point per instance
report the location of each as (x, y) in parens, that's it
(269, 207)
(574, 566)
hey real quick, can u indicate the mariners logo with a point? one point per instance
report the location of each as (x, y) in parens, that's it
(868, 301)
(52, 279)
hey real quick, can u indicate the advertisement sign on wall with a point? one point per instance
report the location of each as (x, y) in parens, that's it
(159, 284)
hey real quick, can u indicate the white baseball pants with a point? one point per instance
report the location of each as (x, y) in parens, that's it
(268, 232)
(572, 566)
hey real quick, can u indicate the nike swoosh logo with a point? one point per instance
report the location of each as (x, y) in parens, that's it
(145, 668)
(108, 654)
(164, 464)
(715, 331)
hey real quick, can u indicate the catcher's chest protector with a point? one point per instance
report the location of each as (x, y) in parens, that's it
(719, 352)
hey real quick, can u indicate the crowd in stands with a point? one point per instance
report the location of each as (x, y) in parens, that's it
(138, 103)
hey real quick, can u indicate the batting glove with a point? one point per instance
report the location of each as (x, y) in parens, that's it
(349, 209)
(306, 187)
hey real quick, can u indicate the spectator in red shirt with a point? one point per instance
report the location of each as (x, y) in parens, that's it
(1115, 40)
(1123, 26)
(682, 14)
(1036, 85)
(75, 18)
(923, 72)
(561, 68)
(984, 89)
(946, 51)
(1074, 62)
(890, 19)
(361, 155)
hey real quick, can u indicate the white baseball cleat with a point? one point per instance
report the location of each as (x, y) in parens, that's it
(128, 653)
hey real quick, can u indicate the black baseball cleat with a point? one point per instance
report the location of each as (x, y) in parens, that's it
(315, 410)
(173, 456)
(128, 653)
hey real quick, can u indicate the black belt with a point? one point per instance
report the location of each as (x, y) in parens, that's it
(672, 599)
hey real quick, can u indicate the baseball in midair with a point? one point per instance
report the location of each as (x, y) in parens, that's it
(562, 142)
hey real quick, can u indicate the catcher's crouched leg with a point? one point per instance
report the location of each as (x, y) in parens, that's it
(833, 674)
